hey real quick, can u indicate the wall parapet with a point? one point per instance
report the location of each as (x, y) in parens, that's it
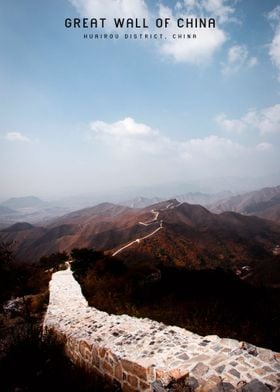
(144, 355)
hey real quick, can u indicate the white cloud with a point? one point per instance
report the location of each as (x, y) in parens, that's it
(219, 8)
(126, 127)
(274, 47)
(193, 51)
(264, 146)
(16, 137)
(139, 151)
(238, 58)
(266, 121)
(233, 125)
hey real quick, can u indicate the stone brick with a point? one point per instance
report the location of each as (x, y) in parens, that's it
(230, 343)
(265, 355)
(174, 374)
(211, 383)
(143, 386)
(118, 372)
(151, 374)
(255, 362)
(223, 387)
(277, 356)
(95, 357)
(111, 358)
(134, 368)
(89, 340)
(220, 369)
(200, 369)
(218, 359)
(132, 380)
(255, 386)
(235, 373)
(85, 349)
(260, 371)
(107, 368)
(128, 388)
(273, 379)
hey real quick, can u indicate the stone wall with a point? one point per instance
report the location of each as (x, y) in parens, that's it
(144, 355)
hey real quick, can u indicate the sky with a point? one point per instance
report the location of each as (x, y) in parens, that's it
(80, 116)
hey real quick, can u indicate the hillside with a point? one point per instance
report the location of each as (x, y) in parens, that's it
(264, 203)
(170, 233)
(103, 227)
(194, 238)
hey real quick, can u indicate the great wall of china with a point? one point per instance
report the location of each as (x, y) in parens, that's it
(144, 355)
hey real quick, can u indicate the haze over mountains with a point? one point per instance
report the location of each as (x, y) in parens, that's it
(169, 232)
(29, 208)
(264, 203)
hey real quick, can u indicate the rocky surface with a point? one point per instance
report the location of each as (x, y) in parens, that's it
(144, 355)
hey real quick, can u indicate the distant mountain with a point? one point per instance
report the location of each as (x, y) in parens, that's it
(6, 211)
(23, 202)
(20, 226)
(169, 232)
(141, 202)
(264, 203)
(191, 197)
(28, 209)
(102, 226)
(202, 198)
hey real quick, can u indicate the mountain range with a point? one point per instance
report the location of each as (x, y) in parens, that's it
(264, 203)
(170, 232)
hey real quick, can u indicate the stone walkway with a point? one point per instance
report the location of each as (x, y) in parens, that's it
(144, 355)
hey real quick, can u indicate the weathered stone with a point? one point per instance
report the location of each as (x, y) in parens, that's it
(223, 387)
(210, 384)
(85, 349)
(107, 368)
(134, 368)
(230, 343)
(218, 359)
(132, 380)
(261, 371)
(273, 379)
(148, 349)
(127, 388)
(235, 373)
(255, 386)
(184, 357)
(220, 369)
(95, 357)
(200, 369)
(192, 383)
(277, 356)
(166, 376)
(157, 386)
(102, 352)
(250, 348)
(265, 355)
(255, 362)
(118, 372)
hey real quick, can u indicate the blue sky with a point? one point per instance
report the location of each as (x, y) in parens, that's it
(80, 116)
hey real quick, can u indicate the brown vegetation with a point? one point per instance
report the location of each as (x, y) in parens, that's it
(206, 302)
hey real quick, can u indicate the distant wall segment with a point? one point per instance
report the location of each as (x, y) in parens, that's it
(144, 355)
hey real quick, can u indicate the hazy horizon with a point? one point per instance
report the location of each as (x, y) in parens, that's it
(162, 190)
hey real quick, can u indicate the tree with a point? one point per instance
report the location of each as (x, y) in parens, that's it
(54, 260)
(6, 275)
(84, 258)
